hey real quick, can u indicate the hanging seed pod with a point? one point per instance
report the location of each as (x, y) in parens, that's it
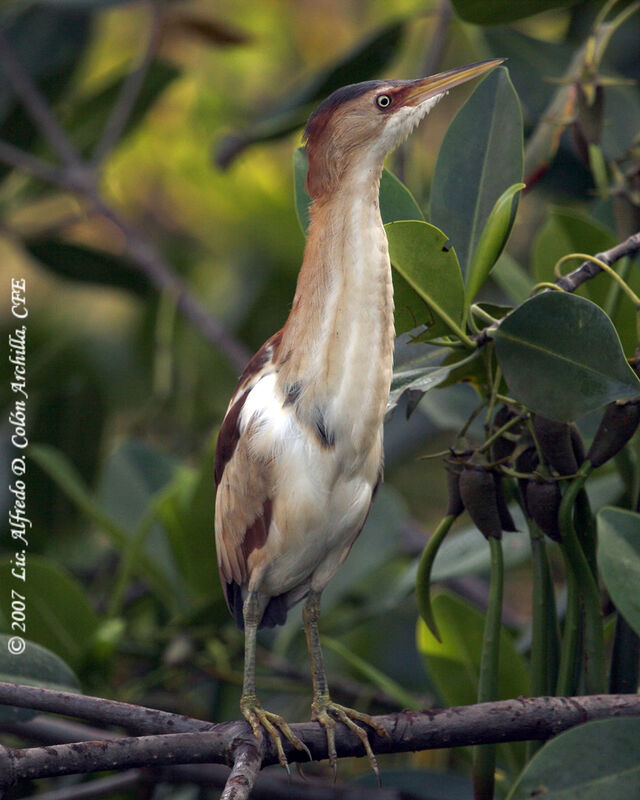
(554, 439)
(455, 506)
(617, 426)
(577, 443)
(543, 504)
(506, 520)
(478, 493)
(526, 463)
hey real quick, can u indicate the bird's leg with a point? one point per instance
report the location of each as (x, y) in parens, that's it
(250, 706)
(323, 709)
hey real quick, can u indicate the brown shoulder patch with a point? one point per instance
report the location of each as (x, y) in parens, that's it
(228, 437)
(265, 353)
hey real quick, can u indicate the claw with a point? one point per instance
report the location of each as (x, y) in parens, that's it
(274, 725)
(325, 711)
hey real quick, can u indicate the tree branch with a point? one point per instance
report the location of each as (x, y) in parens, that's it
(571, 281)
(511, 720)
(590, 269)
(268, 784)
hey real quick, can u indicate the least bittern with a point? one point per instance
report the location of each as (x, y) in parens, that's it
(299, 454)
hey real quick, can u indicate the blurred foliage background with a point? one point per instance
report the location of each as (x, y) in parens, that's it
(125, 394)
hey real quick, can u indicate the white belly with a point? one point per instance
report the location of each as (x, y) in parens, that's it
(320, 499)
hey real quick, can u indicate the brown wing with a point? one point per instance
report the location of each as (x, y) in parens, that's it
(244, 487)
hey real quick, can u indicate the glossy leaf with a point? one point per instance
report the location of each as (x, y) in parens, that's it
(420, 254)
(364, 61)
(420, 374)
(480, 158)
(396, 201)
(88, 265)
(619, 560)
(589, 762)
(36, 666)
(496, 12)
(454, 664)
(492, 239)
(561, 357)
(59, 615)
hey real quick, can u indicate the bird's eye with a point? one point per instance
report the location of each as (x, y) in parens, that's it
(383, 101)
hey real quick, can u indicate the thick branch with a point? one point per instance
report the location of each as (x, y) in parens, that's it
(589, 269)
(135, 719)
(511, 720)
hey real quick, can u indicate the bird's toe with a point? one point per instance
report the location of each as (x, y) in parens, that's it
(274, 725)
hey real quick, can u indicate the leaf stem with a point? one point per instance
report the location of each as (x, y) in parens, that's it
(484, 756)
(423, 579)
(586, 585)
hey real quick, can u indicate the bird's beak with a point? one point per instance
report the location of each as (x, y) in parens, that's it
(424, 88)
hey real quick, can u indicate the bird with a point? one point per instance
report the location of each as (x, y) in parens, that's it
(299, 455)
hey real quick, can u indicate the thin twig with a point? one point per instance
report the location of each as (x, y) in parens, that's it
(572, 280)
(80, 178)
(590, 269)
(36, 104)
(129, 92)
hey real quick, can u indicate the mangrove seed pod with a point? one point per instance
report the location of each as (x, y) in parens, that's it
(554, 439)
(455, 506)
(617, 426)
(526, 463)
(543, 504)
(506, 520)
(478, 493)
(577, 443)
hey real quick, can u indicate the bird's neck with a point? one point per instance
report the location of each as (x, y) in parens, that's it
(337, 345)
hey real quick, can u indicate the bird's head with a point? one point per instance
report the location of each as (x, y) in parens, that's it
(356, 126)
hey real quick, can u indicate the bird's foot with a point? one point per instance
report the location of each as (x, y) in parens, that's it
(326, 712)
(273, 724)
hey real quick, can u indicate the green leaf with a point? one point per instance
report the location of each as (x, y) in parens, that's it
(493, 239)
(589, 762)
(367, 59)
(86, 264)
(619, 560)
(481, 157)
(396, 201)
(561, 357)
(420, 374)
(496, 12)
(65, 476)
(186, 509)
(35, 666)
(454, 664)
(59, 615)
(419, 253)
